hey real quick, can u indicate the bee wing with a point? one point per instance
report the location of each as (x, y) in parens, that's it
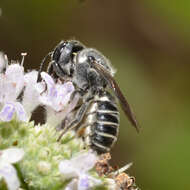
(114, 86)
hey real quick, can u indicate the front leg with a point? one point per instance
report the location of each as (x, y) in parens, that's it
(41, 66)
(79, 116)
(50, 70)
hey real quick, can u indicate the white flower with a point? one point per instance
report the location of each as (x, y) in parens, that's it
(57, 98)
(57, 95)
(20, 94)
(77, 168)
(7, 171)
(31, 94)
(10, 108)
(11, 85)
(55, 118)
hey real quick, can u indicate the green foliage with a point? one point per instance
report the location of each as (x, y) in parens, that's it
(39, 167)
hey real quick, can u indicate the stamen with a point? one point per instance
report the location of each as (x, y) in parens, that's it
(23, 56)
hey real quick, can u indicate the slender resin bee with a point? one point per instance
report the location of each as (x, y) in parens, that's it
(97, 118)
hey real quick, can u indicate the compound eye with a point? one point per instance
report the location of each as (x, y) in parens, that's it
(58, 50)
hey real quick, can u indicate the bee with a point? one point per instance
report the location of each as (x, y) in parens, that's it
(97, 118)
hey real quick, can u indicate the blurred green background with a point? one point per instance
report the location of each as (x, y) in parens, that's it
(148, 43)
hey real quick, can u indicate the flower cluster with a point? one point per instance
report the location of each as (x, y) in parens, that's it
(20, 93)
(30, 156)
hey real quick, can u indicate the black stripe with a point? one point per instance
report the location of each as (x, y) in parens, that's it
(105, 128)
(107, 117)
(99, 150)
(106, 105)
(105, 141)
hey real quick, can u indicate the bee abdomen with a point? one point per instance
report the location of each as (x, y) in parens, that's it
(105, 129)
(103, 138)
(107, 105)
(101, 143)
(108, 117)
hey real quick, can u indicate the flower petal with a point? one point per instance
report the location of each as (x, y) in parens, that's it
(9, 174)
(14, 72)
(85, 161)
(48, 79)
(67, 169)
(31, 94)
(40, 87)
(83, 182)
(11, 155)
(62, 96)
(56, 96)
(7, 112)
(68, 89)
(15, 75)
(21, 114)
(55, 118)
(7, 89)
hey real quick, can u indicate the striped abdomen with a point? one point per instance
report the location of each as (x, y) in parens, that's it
(103, 120)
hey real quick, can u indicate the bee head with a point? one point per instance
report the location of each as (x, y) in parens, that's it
(62, 57)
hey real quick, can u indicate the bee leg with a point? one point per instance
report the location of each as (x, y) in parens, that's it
(41, 66)
(76, 92)
(50, 68)
(79, 116)
(51, 72)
